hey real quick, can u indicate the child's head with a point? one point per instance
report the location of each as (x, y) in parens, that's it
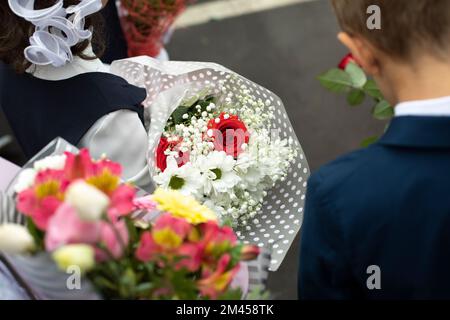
(15, 34)
(412, 31)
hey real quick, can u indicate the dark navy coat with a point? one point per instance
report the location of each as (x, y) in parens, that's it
(39, 111)
(380, 218)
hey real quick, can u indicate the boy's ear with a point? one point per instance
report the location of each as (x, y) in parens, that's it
(363, 52)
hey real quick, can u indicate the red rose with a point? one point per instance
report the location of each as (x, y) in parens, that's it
(161, 157)
(228, 134)
(347, 59)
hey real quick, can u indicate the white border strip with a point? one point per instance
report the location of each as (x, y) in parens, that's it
(222, 9)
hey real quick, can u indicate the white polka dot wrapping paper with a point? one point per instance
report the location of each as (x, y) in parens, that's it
(168, 84)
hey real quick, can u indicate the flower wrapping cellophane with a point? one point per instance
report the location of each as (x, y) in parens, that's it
(170, 83)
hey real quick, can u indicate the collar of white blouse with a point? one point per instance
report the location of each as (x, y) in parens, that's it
(76, 67)
(439, 107)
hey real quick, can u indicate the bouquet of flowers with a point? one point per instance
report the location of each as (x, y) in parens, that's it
(226, 141)
(80, 212)
(219, 148)
(146, 22)
(349, 78)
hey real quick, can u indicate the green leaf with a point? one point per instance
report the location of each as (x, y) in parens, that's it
(258, 293)
(227, 222)
(369, 141)
(37, 234)
(193, 100)
(189, 108)
(177, 115)
(205, 102)
(144, 289)
(103, 283)
(231, 294)
(132, 231)
(371, 88)
(182, 284)
(355, 97)
(357, 75)
(127, 283)
(383, 110)
(235, 253)
(336, 80)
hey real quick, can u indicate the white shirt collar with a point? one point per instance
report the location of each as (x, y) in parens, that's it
(76, 67)
(439, 107)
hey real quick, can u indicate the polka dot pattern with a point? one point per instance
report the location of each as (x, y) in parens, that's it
(280, 220)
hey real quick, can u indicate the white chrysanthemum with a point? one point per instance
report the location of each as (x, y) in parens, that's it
(185, 179)
(218, 173)
(25, 180)
(248, 168)
(52, 162)
(244, 162)
(219, 210)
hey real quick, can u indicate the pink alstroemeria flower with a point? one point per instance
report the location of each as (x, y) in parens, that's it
(167, 237)
(41, 201)
(122, 201)
(65, 227)
(78, 166)
(147, 248)
(81, 166)
(192, 254)
(145, 203)
(213, 283)
(250, 252)
(109, 237)
(217, 239)
(178, 225)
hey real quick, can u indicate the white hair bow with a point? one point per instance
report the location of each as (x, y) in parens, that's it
(57, 29)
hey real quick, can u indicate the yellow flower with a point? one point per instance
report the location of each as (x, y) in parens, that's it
(182, 206)
(167, 238)
(106, 181)
(49, 188)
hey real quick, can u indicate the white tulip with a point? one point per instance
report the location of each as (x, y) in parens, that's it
(25, 180)
(89, 202)
(15, 239)
(80, 255)
(51, 162)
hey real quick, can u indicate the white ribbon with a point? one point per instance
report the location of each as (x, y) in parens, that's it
(57, 29)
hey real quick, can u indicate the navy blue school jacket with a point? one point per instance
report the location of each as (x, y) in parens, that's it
(377, 221)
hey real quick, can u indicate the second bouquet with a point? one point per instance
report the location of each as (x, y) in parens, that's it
(226, 141)
(79, 212)
(220, 149)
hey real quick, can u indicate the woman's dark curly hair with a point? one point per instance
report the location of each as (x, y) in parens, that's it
(16, 31)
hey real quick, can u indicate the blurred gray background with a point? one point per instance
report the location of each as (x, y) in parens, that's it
(284, 49)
